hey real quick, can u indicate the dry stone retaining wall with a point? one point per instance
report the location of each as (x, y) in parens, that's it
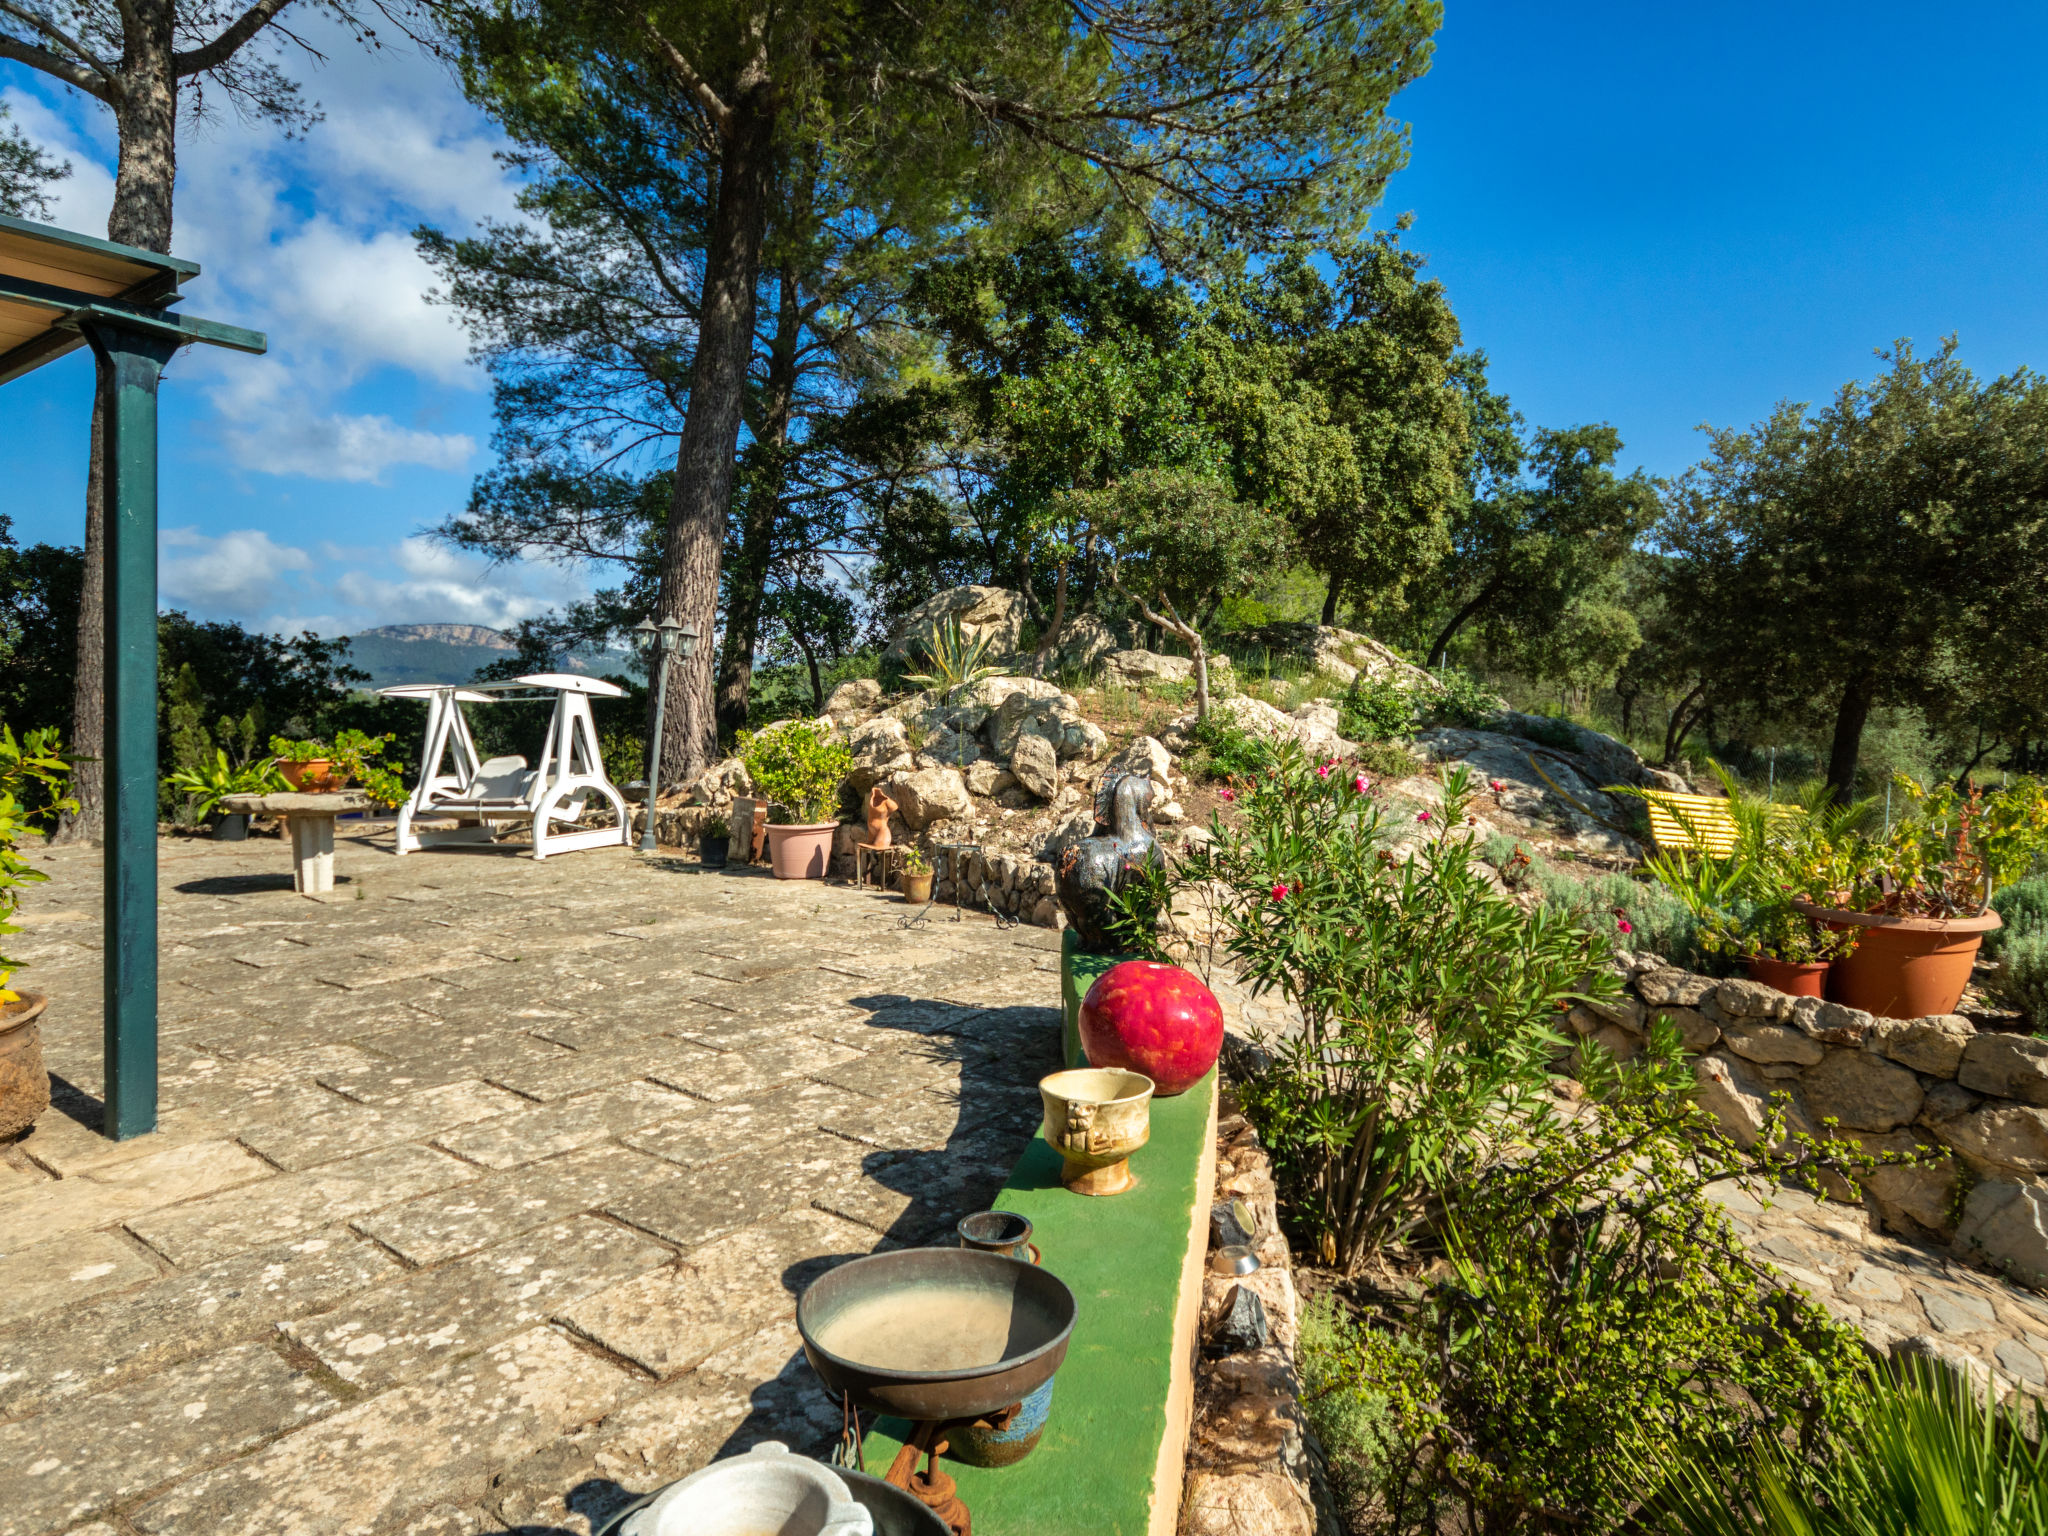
(1973, 1103)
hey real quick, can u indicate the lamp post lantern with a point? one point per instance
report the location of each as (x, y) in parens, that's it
(658, 642)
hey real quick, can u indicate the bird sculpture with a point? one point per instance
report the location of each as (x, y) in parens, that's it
(1091, 869)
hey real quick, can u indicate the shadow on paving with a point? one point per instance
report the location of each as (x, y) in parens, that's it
(994, 1125)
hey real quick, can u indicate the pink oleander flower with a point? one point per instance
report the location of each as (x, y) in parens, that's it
(1423, 816)
(1361, 784)
(1323, 772)
(1226, 794)
(1624, 925)
(1495, 785)
(1280, 893)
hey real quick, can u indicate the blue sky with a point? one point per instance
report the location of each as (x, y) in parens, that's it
(1649, 215)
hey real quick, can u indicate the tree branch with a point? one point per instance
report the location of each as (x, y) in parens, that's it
(196, 61)
(107, 87)
(719, 113)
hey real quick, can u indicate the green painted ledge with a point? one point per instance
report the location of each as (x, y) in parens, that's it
(1115, 1443)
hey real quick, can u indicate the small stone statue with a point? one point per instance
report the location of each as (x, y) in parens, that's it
(879, 808)
(1095, 866)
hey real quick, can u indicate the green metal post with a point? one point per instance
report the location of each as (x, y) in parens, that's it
(130, 364)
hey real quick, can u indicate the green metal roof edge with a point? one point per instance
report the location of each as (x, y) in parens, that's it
(50, 234)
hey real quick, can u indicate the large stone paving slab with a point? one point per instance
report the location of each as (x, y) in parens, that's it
(481, 1201)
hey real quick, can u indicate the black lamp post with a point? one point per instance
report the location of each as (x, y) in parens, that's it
(658, 642)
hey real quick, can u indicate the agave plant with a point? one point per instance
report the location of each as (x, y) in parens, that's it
(1929, 1455)
(956, 659)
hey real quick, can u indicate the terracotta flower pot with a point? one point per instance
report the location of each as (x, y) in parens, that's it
(314, 777)
(1904, 967)
(917, 887)
(24, 1080)
(1794, 978)
(801, 853)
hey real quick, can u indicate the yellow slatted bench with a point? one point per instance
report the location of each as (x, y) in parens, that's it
(1700, 823)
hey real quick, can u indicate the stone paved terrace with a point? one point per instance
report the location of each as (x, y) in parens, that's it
(484, 1187)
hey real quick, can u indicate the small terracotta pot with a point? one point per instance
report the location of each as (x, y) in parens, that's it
(917, 888)
(24, 1080)
(801, 853)
(1794, 978)
(314, 777)
(1903, 967)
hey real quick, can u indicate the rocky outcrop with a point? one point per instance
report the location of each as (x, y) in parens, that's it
(927, 795)
(1339, 652)
(991, 614)
(1143, 669)
(1936, 1090)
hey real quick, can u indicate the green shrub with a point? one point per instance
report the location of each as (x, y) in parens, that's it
(1377, 709)
(1427, 998)
(1597, 1313)
(2022, 980)
(2024, 907)
(1220, 748)
(1356, 1426)
(798, 768)
(1657, 920)
(1461, 700)
(1554, 732)
(1385, 760)
(1925, 1455)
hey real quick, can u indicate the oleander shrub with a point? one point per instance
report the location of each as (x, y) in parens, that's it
(1428, 998)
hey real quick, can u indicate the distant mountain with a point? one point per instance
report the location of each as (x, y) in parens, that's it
(448, 653)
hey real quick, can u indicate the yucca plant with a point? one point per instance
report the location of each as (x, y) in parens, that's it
(955, 659)
(1927, 1455)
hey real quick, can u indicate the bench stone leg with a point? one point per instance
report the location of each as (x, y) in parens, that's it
(312, 854)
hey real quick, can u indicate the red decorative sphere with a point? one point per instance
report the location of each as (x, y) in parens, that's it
(1155, 1019)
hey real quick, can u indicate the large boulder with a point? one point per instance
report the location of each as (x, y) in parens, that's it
(1932, 1045)
(716, 785)
(1148, 669)
(2010, 1135)
(854, 698)
(926, 795)
(2010, 1066)
(991, 614)
(1863, 1092)
(1083, 641)
(1036, 766)
(1145, 755)
(987, 694)
(2006, 1225)
(1316, 728)
(1057, 720)
(1540, 784)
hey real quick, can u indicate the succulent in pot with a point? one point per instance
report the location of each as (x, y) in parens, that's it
(798, 768)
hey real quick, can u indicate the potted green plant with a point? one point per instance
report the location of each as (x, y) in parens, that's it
(917, 876)
(33, 790)
(1918, 895)
(312, 767)
(797, 768)
(1746, 899)
(714, 843)
(207, 785)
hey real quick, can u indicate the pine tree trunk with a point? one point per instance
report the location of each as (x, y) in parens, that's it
(1330, 603)
(146, 119)
(749, 581)
(702, 498)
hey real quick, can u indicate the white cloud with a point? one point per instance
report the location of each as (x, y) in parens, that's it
(234, 573)
(342, 589)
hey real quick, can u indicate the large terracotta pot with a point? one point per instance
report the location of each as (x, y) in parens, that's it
(314, 777)
(1904, 967)
(24, 1081)
(1792, 977)
(801, 853)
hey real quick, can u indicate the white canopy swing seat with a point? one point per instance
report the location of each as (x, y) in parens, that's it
(483, 794)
